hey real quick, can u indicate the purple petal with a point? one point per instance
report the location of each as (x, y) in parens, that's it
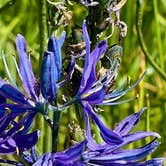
(127, 155)
(28, 78)
(7, 91)
(3, 117)
(16, 108)
(89, 72)
(7, 119)
(96, 97)
(108, 136)
(54, 46)
(20, 143)
(128, 123)
(152, 162)
(130, 138)
(44, 160)
(92, 145)
(48, 76)
(25, 142)
(2, 99)
(26, 122)
(22, 127)
(139, 135)
(71, 154)
(62, 163)
(62, 39)
(87, 44)
(11, 162)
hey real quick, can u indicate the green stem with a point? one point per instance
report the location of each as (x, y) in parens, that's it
(55, 130)
(158, 33)
(48, 135)
(39, 123)
(43, 26)
(141, 40)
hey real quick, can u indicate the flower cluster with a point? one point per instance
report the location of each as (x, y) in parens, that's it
(93, 91)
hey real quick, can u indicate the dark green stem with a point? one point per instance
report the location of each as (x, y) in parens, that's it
(43, 26)
(55, 130)
(139, 11)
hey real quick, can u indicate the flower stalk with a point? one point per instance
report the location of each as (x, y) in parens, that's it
(43, 43)
(55, 131)
(42, 26)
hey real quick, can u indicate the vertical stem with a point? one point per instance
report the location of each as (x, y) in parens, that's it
(48, 135)
(158, 33)
(42, 26)
(141, 85)
(39, 121)
(55, 130)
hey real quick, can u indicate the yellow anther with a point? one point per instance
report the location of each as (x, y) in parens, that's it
(85, 95)
(128, 81)
(22, 127)
(17, 151)
(8, 110)
(137, 96)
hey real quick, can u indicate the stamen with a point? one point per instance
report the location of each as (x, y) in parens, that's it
(17, 68)
(17, 151)
(105, 102)
(8, 72)
(8, 110)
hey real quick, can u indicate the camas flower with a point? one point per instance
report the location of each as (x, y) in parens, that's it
(13, 134)
(104, 154)
(115, 155)
(92, 89)
(36, 94)
(93, 92)
(69, 157)
(51, 67)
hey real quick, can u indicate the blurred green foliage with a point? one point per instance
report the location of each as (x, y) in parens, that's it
(22, 16)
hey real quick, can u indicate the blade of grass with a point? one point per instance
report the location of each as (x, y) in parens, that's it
(139, 10)
(158, 33)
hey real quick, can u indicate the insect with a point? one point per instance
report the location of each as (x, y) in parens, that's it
(112, 56)
(110, 65)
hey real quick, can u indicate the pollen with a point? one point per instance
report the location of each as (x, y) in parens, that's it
(85, 95)
(8, 110)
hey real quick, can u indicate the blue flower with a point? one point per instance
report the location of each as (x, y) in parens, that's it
(107, 154)
(122, 129)
(37, 94)
(13, 134)
(92, 89)
(88, 152)
(69, 157)
(51, 67)
(94, 92)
